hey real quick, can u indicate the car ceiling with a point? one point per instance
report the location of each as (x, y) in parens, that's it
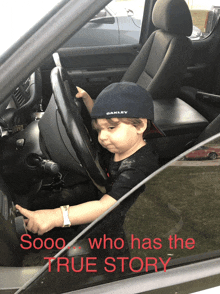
(45, 40)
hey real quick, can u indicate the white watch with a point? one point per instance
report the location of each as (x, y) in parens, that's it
(66, 220)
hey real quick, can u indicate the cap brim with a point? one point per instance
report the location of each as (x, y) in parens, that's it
(155, 129)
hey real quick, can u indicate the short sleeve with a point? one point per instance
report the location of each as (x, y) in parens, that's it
(131, 171)
(126, 180)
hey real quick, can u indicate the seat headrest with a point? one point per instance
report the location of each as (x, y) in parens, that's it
(172, 16)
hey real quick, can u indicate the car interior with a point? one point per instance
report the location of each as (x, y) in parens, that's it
(49, 150)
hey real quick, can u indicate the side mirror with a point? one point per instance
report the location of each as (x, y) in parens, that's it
(103, 20)
(101, 13)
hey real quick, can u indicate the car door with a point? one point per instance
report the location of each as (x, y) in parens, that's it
(102, 50)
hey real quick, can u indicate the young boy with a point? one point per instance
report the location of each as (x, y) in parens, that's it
(122, 114)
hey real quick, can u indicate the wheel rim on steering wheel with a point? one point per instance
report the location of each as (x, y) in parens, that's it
(79, 133)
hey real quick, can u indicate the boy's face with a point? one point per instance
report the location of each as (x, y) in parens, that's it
(122, 139)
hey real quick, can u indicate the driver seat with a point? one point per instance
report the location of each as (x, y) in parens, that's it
(160, 67)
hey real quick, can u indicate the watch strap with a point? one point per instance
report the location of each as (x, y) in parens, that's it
(65, 211)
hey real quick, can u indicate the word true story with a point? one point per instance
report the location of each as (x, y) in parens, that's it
(110, 263)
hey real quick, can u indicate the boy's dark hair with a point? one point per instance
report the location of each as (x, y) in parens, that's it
(127, 120)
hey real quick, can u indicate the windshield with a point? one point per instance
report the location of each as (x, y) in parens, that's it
(17, 17)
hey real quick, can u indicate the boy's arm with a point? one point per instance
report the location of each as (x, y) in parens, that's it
(89, 211)
(86, 99)
(42, 221)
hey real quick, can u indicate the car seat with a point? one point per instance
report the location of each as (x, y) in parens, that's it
(160, 67)
(163, 59)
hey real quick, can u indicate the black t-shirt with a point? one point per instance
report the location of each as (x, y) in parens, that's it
(124, 175)
(127, 173)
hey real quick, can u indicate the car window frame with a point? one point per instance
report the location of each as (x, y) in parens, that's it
(147, 27)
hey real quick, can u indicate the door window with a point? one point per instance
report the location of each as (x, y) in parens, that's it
(178, 214)
(174, 222)
(119, 23)
(204, 15)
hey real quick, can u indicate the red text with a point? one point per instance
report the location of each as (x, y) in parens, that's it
(39, 243)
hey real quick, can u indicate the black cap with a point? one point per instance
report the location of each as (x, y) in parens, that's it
(125, 99)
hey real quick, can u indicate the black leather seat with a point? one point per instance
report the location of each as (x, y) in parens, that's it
(163, 59)
(160, 67)
(176, 117)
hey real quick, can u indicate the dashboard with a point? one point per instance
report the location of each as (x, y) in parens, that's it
(21, 105)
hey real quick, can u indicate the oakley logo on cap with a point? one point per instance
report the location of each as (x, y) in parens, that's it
(116, 112)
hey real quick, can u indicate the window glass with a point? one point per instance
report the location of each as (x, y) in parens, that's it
(175, 221)
(205, 14)
(17, 17)
(178, 214)
(119, 23)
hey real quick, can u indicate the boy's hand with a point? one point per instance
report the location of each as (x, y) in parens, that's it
(82, 93)
(86, 98)
(42, 221)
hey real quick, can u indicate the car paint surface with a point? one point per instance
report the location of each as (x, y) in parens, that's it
(203, 152)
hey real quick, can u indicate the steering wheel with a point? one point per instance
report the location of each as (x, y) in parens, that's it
(78, 132)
